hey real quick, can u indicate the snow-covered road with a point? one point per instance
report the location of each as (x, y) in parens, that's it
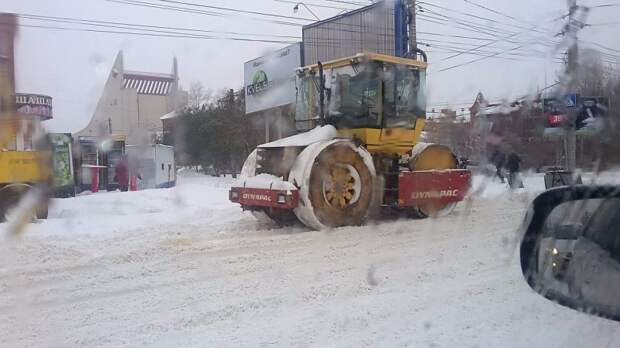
(184, 267)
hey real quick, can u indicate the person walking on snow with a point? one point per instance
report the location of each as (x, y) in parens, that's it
(513, 163)
(121, 174)
(498, 158)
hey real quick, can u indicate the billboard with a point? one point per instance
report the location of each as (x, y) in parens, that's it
(589, 114)
(378, 28)
(35, 105)
(269, 81)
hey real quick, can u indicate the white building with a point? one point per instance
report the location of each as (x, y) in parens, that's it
(133, 102)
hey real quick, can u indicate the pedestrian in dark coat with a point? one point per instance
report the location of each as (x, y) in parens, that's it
(121, 174)
(498, 158)
(513, 164)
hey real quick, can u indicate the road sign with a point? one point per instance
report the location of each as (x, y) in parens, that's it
(556, 104)
(570, 100)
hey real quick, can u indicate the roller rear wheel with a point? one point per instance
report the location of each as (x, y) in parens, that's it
(433, 156)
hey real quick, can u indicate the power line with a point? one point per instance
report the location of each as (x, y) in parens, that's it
(184, 36)
(141, 27)
(194, 11)
(601, 46)
(602, 24)
(175, 30)
(490, 54)
(488, 44)
(211, 13)
(483, 28)
(311, 4)
(456, 11)
(454, 36)
(312, 44)
(357, 3)
(432, 17)
(475, 16)
(491, 10)
(521, 54)
(177, 2)
(495, 34)
(604, 5)
(103, 23)
(510, 16)
(178, 9)
(482, 58)
(151, 30)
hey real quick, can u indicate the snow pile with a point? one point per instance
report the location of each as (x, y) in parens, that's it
(484, 186)
(304, 139)
(196, 199)
(610, 177)
(249, 166)
(265, 181)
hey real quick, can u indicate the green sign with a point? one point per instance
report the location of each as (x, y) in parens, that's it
(260, 82)
(61, 159)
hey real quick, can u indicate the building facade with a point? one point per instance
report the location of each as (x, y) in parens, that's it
(133, 102)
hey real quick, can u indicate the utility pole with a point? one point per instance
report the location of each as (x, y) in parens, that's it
(570, 140)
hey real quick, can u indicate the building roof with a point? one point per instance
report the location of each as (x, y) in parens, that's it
(498, 109)
(148, 83)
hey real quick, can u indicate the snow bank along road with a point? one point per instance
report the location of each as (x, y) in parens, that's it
(183, 267)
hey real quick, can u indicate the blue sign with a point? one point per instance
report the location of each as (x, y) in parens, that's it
(570, 100)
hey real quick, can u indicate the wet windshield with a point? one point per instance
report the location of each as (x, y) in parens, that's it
(355, 95)
(365, 95)
(166, 177)
(404, 96)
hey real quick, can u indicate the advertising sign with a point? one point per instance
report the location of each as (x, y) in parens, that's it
(588, 114)
(34, 105)
(62, 159)
(269, 81)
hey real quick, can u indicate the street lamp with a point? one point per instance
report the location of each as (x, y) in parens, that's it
(296, 8)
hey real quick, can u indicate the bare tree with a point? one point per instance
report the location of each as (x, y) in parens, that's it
(592, 75)
(197, 94)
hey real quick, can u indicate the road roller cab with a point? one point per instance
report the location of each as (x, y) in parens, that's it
(358, 151)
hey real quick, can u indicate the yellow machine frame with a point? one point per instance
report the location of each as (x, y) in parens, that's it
(16, 167)
(24, 167)
(390, 141)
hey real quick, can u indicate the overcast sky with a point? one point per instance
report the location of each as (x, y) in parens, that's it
(73, 66)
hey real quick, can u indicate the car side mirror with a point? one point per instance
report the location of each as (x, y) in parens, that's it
(570, 252)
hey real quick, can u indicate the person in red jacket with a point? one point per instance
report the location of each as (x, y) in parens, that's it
(121, 174)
